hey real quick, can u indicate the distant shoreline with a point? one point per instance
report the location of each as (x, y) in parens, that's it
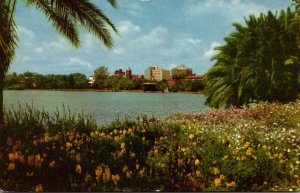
(103, 90)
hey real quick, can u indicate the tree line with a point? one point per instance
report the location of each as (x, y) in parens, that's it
(30, 80)
(103, 80)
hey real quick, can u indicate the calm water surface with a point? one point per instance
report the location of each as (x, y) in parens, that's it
(108, 106)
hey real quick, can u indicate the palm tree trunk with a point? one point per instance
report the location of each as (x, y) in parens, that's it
(1, 98)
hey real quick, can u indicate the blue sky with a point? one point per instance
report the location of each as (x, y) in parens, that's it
(163, 33)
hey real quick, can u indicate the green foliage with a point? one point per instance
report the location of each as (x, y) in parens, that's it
(29, 80)
(100, 75)
(259, 62)
(249, 149)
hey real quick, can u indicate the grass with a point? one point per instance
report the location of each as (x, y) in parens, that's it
(247, 149)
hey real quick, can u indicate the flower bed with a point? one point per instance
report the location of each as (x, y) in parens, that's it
(250, 149)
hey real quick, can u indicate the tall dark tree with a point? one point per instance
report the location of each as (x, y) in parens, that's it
(259, 62)
(66, 17)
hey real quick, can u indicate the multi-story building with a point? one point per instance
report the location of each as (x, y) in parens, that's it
(181, 71)
(154, 73)
(128, 73)
(160, 74)
(148, 73)
(119, 73)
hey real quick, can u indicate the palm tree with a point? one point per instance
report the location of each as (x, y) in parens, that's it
(259, 62)
(65, 15)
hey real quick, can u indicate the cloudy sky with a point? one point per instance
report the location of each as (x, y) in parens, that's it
(163, 33)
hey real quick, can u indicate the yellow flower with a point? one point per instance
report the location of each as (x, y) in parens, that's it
(78, 169)
(197, 162)
(125, 168)
(282, 161)
(217, 182)
(39, 188)
(280, 155)
(68, 144)
(230, 184)
(247, 144)
(222, 176)
(215, 171)
(191, 136)
(47, 137)
(198, 132)
(52, 164)
(11, 166)
(122, 145)
(198, 173)
(249, 151)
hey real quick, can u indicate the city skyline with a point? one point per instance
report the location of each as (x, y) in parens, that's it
(152, 33)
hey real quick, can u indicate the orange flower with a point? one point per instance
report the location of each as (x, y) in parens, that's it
(29, 174)
(78, 157)
(78, 169)
(52, 164)
(106, 176)
(115, 178)
(98, 172)
(137, 166)
(141, 173)
(30, 160)
(11, 157)
(39, 188)
(11, 166)
(217, 181)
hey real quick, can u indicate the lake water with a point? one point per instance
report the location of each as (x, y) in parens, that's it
(108, 106)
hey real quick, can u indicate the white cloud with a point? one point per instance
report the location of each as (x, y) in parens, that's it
(78, 62)
(26, 32)
(155, 37)
(119, 51)
(209, 53)
(39, 50)
(194, 41)
(55, 46)
(234, 10)
(126, 27)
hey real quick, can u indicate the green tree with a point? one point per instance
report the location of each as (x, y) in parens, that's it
(66, 17)
(100, 75)
(79, 81)
(259, 62)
